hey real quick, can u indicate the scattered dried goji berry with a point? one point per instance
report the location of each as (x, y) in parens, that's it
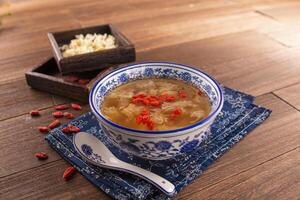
(61, 107)
(54, 124)
(43, 129)
(41, 155)
(57, 114)
(34, 113)
(68, 115)
(75, 106)
(73, 129)
(200, 93)
(181, 94)
(65, 130)
(68, 172)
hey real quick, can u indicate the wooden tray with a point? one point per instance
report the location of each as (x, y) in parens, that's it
(46, 77)
(125, 52)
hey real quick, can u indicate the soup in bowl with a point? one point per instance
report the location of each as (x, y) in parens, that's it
(156, 110)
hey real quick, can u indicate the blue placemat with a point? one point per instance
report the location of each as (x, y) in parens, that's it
(238, 117)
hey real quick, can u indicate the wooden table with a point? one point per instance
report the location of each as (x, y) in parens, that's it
(250, 45)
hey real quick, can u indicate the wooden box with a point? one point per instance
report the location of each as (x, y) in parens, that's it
(125, 52)
(46, 77)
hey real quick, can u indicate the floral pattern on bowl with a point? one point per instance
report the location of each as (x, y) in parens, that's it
(157, 145)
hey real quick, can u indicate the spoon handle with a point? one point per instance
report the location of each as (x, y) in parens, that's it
(88, 145)
(160, 182)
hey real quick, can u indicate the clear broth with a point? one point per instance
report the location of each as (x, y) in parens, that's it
(156, 104)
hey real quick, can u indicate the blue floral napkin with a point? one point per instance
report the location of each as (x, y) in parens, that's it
(238, 117)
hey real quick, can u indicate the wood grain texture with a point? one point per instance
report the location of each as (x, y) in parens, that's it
(46, 182)
(290, 94)
(250, 45)
(239, 60)
(276, 179)
(20, 140)
(17, 99)
(258, 147)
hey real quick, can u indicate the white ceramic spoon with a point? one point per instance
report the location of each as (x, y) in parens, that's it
(95, 152)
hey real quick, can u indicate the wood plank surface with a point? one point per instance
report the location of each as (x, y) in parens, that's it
(17, 99)
(20, 139)
(250, 45)
(276, 179)
(239, 60)
(260, 146)
(290, 94)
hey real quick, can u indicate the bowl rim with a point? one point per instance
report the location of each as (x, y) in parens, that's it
(199, 123)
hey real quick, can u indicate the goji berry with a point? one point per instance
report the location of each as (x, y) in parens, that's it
(75, 106)
(43, 129)
(54, 124)
(57, 114)
(145, 112)
(175, 113)
(154, 102)
(163, 97)
(170, 98)
(146, 101)
(65, 130)
(61, 107)
(145, 118)
(34, 113)
(68, 115)
(73, 129)
(182, 94)
(41, 155)
(137, 100)
(150, 125)
(200, 93)
(139, 119)
(68, 172)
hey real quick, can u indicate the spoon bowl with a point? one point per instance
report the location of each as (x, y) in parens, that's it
(95, 152)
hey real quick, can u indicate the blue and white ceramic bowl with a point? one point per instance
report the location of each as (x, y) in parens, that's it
(156, 145)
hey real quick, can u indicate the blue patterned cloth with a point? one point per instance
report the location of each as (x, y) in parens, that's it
(238, 117)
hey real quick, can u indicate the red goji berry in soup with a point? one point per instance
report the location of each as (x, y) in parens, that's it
(155, 104)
